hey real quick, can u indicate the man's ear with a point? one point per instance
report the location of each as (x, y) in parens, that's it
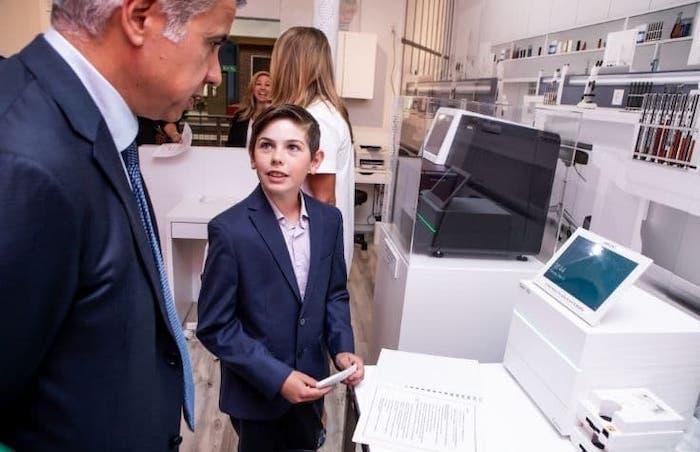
(316, 162)
(137, 16)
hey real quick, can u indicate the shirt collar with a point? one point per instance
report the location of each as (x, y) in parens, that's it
(121, 121)
(303, 214)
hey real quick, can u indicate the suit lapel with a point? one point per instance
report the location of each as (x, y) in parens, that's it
(107, 158)
(316, 235)
(266, 224)
(58, 79)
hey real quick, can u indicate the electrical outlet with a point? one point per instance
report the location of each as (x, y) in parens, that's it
(617, 96)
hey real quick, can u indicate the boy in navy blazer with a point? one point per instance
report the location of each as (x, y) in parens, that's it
(274, 301)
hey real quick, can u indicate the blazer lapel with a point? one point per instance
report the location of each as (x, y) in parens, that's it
(316, 236)
(107, 158)
(54, 75)
(266, 224)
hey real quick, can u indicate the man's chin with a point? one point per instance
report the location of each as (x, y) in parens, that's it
(173, 116)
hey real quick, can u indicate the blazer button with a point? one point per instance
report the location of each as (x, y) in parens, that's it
(302, 322)
(175, 441)
(172, 360)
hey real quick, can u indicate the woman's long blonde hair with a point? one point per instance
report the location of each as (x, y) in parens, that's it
(302, 70)
(248, 106)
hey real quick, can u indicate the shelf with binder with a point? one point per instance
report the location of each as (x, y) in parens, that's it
(667, 130)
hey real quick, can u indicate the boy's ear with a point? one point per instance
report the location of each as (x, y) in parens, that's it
(316, 162)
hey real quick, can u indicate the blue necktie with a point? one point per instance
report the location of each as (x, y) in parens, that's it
(131, 160)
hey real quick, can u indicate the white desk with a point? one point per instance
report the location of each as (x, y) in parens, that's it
(186, 237)
(507, 420)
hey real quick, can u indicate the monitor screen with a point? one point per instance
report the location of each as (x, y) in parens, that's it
(438, 133)
(589, 272)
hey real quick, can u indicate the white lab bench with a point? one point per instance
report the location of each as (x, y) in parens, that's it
(507, 420)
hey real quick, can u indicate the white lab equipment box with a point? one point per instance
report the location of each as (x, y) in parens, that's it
(641, 342)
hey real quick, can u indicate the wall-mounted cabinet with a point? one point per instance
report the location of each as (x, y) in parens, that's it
(660, 4)
(622, 8)
(538, 17)
(563, 14)
(592, 11)
(356, 59)
(505, 20)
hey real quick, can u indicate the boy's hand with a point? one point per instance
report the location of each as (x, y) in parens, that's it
(345, 360)
(299, 388)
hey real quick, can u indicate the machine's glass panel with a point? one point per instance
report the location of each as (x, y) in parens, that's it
(589, 272)
(437, 135)
(447, 186)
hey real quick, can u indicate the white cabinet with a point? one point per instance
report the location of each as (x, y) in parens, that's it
(504, 20)
(663, 4)
(519, 11)
(624, 8)
(563, 15)
(592, 11)
(538, 20)
(260, 9)
(451, 306)
(356, 59)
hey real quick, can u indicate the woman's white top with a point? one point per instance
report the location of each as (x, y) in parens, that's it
(339, 159)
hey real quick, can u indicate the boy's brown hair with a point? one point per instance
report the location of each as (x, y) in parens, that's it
(294, 113)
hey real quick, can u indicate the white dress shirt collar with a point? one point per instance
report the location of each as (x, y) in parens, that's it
(303, 214)
(121, 121)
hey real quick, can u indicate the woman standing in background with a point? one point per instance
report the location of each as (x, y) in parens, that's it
(302, 74)
(255, 100)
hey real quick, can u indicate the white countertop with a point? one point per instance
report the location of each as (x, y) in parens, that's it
(200, 210)
(507, 420)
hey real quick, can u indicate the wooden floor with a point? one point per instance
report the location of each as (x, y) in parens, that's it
(214, 432)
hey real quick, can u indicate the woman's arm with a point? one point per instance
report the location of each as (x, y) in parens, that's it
(322, 187)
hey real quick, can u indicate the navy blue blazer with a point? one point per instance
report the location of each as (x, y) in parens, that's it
(251, 315)
(89, 361)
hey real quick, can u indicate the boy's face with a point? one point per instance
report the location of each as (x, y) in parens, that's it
(282, 158)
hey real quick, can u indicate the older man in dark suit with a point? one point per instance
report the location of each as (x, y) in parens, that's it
(94, 355)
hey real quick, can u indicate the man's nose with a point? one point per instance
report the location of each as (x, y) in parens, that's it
(214, 71)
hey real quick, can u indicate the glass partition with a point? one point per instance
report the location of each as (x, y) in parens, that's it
(471, 180)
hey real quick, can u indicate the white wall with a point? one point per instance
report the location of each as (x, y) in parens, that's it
(371, 119)
(295, 13)
(20, 22)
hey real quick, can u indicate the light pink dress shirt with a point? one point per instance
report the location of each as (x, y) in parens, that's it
(296, 237)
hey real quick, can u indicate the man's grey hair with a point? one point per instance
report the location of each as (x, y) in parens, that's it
(91, 16)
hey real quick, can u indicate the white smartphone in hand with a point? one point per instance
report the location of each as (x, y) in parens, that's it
(336, 378)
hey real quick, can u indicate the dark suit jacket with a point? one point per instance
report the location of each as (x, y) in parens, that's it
(251, 315)
(238, 133)
(89, 361)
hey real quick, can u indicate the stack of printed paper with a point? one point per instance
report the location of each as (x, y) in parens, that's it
(421, 403)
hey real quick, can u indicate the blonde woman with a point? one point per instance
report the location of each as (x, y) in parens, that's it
(255, 100)
(302, 74)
